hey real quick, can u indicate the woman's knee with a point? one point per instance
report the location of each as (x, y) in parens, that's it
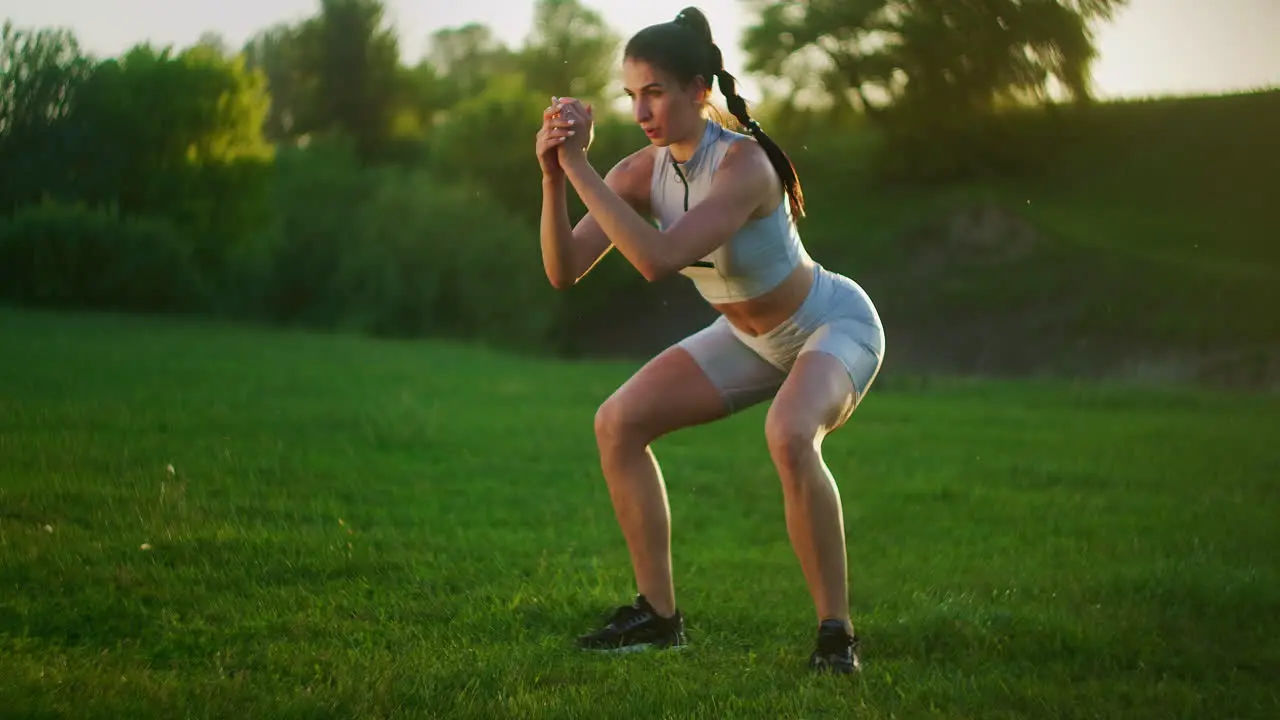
(619, 424)
(792, 440)
(607, 421)
(816, 399)
(671, 392)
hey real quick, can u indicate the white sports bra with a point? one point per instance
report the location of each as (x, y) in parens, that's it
(758, 257)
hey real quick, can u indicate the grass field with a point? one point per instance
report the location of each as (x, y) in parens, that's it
(208, 521)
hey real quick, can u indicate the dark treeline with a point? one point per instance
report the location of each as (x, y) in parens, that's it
(313, 178)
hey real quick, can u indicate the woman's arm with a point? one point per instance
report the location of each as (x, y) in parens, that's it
(569, 254)
(743, 181)
(557, 236)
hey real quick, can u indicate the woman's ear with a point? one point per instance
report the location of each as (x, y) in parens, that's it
(702, 90)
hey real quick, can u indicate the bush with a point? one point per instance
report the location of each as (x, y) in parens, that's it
(440, 259)
(319, 191)
(73, 256)
(394, 252)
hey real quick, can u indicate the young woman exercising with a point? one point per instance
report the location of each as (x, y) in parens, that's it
(726, 206)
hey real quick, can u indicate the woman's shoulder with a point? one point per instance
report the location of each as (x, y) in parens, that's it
(631, 174)
(747, 165)
(638, 164)
(743, 149)
(747, 161)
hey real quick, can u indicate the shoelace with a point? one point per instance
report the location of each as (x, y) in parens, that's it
(627, 617)
(831, 642)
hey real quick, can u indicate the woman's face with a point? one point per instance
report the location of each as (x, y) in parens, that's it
(665, 111)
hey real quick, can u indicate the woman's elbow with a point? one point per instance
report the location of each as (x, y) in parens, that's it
(559, 280)
(655, 272)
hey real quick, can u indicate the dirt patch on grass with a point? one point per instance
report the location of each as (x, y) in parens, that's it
(984, 235)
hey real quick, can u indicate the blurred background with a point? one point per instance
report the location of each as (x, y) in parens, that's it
(1057, 187)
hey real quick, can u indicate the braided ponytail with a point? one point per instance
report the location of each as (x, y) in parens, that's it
(712, 67)
(777, 156)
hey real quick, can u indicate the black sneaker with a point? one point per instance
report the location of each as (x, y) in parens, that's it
(836, 651)
(636, 627)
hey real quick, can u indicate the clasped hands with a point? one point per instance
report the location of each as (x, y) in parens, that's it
(567, 130)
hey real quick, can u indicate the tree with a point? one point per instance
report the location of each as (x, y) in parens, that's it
(570, 50)
(463, 60)
(353, 58)
(41, 75)
(215, 42)
(177, 136)
(477, 143)
(276, 53)
(423, 93)
(933, 75)
(335, 73)
(934, 56)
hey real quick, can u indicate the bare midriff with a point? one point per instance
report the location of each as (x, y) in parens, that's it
(763, 313)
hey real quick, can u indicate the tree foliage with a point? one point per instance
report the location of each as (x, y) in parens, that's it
(41, 74)
(337, 72)
(935, 77)
(351, 58)
(570, 51)
(932, 56)
(313, 176)
(275, 52)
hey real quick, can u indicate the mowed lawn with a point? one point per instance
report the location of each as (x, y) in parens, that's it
(207, 521)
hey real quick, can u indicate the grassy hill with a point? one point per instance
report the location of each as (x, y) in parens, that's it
(1149, 244)
(1154, 234)
(208, 521)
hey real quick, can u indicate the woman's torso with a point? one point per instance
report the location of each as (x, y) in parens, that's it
(760, 276)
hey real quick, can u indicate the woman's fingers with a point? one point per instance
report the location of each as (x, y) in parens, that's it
(557, 134)
(560, 106)
(572, 105)
(558, 122)
(557, 105)
(555, 115)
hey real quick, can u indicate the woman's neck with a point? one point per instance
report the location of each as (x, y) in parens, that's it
(684, 149)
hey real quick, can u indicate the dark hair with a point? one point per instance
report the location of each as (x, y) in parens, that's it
(683, 48)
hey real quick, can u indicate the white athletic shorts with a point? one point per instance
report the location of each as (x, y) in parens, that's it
(837, 318)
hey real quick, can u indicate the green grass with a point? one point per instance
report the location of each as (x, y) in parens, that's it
(375, 529)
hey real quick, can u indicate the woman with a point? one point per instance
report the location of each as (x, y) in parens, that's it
(726, 205)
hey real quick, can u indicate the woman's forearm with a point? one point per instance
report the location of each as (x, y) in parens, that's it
(637, 240)
(557, 234)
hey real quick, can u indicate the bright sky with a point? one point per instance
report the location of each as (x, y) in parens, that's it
(1225, 44)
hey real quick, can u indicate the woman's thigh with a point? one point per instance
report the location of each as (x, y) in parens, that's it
(740, 376)
(703, 378)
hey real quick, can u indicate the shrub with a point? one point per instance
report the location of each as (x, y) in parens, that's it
(75, 256)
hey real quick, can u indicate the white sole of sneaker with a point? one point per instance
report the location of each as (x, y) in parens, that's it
(639, 647)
